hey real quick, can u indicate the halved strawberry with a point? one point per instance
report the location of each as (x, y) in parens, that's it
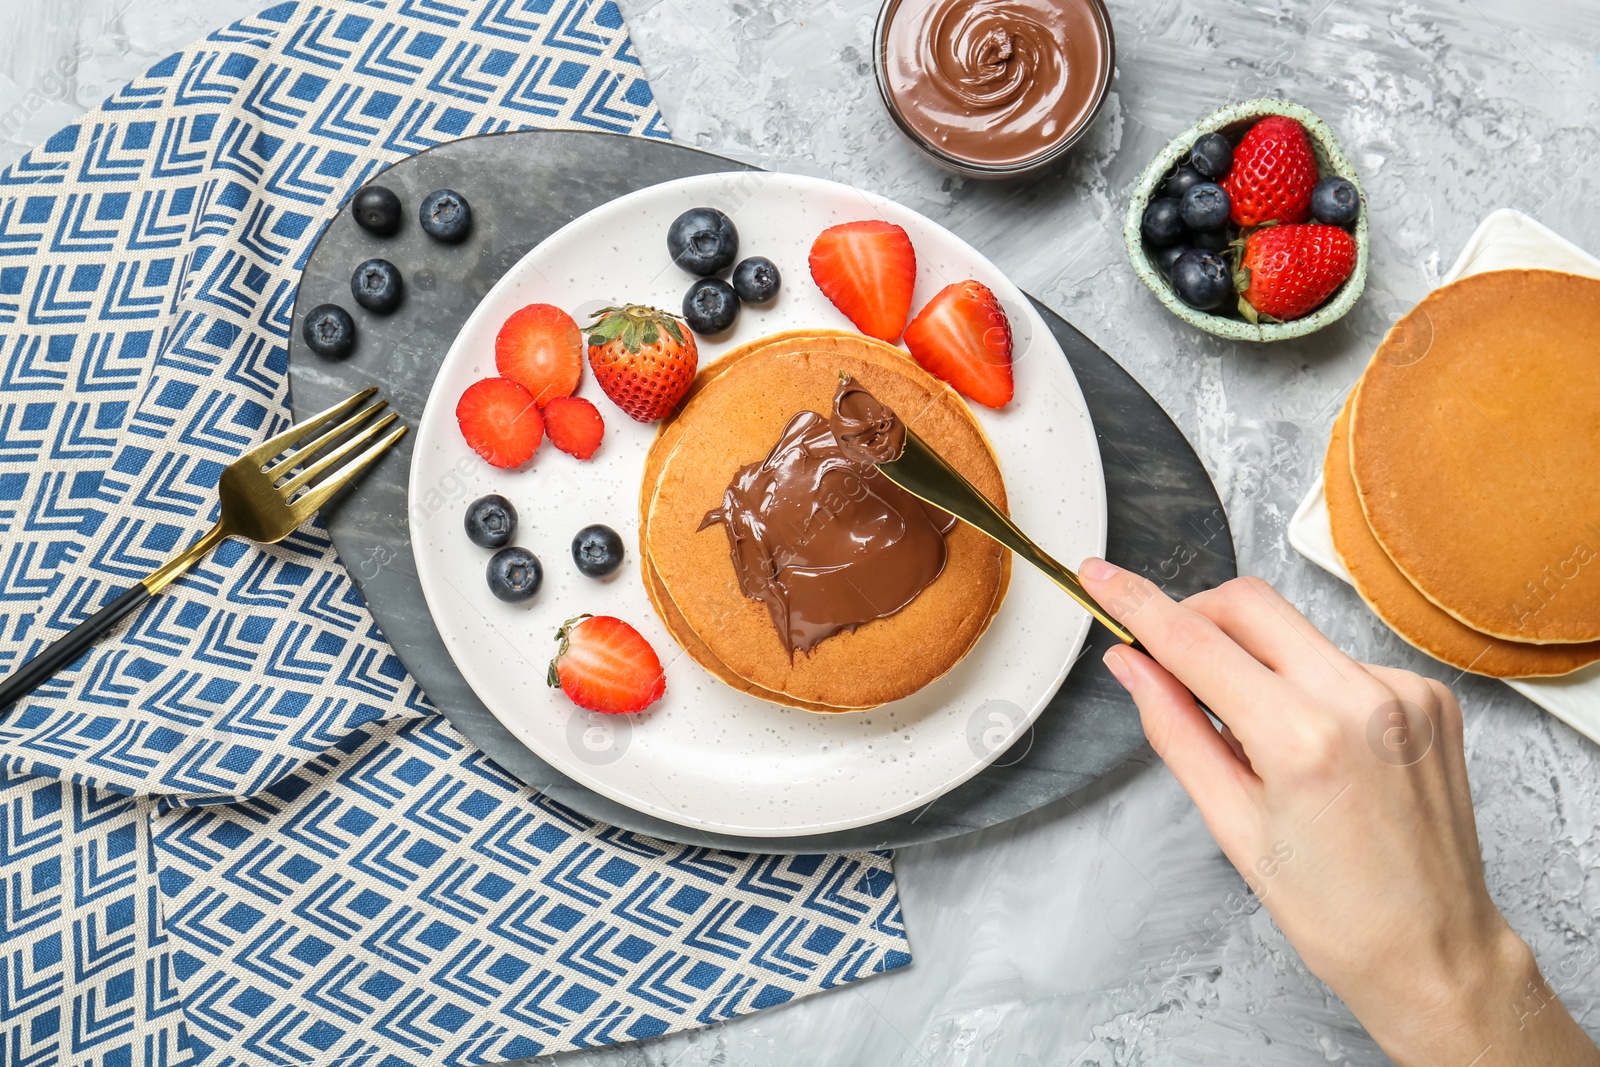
(574, 425)
(604, 664)
(868, 270)
(500, 421)
(541, 349)
(963, 336)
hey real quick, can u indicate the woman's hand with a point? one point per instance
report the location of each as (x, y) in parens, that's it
(1339, 791)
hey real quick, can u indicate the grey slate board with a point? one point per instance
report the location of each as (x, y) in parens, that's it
(1165, 518)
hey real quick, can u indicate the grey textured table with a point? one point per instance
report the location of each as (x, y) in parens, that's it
(1098, 931)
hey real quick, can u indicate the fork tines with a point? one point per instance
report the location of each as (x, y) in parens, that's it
(293, 464)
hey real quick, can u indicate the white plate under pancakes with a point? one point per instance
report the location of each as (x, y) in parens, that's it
(707, 756)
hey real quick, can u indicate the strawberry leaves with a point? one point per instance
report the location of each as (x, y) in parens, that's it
(636, 325)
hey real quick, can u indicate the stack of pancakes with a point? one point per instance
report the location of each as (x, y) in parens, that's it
(1463, 477)
(732, 416)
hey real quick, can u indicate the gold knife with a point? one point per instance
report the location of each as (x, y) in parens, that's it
(923, 473)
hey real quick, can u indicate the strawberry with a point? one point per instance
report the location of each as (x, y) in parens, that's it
(1286, 271)
(574, 425)
(963, 337)
(1274, 171)
(540, 348)
(868, 270)
(604, 664)
(500, 421)
(644, 359)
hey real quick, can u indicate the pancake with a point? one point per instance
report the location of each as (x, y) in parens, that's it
(1408, 613)
(733, 418)
(1476, 463)
(671, 431)
(701, 653)
(667, 436)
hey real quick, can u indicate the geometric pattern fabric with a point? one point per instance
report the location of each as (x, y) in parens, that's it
(149, 255)
(406, 902)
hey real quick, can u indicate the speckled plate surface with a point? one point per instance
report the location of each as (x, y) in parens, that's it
(706, 756)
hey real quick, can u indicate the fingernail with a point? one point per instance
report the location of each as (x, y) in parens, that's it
(1098, 570)
(1118, 666)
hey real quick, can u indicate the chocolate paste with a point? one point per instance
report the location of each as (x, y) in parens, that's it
(867, 430)
(819, 536)
(995, 81)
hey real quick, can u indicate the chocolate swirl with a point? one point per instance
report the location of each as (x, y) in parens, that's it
(868, 430)
(992, 57)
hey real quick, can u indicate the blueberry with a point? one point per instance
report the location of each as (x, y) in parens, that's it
(377, 210)
(1168, 256)
(756, 280)
(597, 550)
(1163, 225)
(329, 331)
(446, 216)
(1215, 241)
(1335, 201)
(1181, 181)
(491, 521)
(710, 306)
(1205, 207)
(1212, 156)
(515, 574)
(376, 285)
(1202, 279)
(703, 241)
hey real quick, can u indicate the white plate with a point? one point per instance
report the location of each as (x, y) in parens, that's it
(1506, 240)
(705, 755)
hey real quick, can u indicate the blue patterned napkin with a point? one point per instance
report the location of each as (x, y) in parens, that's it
(334, 874)
(407, 898)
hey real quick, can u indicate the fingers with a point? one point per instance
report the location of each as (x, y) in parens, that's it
(1238, 749)
(1272, 630)
(1453, 730)
(1243, 692)
(1209, 770)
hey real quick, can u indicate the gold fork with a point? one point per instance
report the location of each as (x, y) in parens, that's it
(266, 495)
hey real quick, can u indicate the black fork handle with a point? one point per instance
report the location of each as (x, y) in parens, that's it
(53, 657)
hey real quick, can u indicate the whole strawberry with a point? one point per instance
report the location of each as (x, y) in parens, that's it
(644, 359)
(1287, 271)
(1274, 172)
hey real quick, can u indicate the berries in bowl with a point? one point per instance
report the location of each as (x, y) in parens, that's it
(1258, 193)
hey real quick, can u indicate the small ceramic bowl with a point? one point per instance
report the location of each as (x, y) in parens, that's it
(1233, 121)
(972, 168)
